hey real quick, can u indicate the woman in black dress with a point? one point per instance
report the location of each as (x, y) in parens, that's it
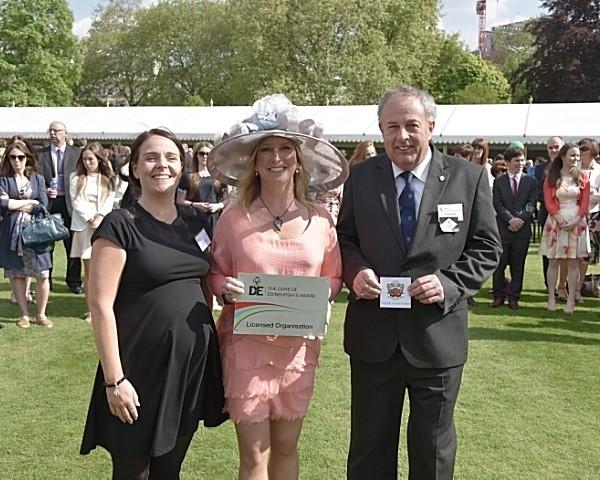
(199, 190)
(159, 371)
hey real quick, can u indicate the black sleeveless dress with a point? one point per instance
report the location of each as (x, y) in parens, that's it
(167, 337)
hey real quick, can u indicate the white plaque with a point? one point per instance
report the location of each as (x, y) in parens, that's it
(281, 305)
(394, 292)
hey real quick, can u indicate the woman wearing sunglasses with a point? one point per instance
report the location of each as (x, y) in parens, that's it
(23, 193)
(199, 190)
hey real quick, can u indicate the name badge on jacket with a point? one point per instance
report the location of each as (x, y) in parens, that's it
(449, 216)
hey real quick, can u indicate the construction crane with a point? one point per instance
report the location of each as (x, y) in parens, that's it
(481, 8)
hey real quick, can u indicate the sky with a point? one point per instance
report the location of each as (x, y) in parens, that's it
(458, 16)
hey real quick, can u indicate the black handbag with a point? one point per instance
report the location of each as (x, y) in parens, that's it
(44, 228)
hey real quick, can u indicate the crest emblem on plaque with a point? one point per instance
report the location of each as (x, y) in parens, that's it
(395, 289)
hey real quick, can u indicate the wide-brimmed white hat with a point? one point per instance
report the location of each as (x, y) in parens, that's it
(275, 115)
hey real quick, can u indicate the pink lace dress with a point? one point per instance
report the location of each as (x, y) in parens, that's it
(269, 376)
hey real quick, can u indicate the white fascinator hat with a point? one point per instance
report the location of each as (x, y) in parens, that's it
(275, 115)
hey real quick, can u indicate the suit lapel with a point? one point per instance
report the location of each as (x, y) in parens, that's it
(71, 157)
(45, 157)
(386, 186)
(437, 179)
(12, 187)
(523, 191)
(504, 184)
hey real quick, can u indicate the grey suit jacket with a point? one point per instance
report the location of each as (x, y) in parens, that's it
(430, 336)
(46, 168)
(508, 206)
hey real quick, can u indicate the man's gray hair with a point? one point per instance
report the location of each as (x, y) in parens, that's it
(558, 137)
(408, 91)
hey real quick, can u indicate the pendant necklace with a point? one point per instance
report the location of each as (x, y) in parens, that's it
(277, 220)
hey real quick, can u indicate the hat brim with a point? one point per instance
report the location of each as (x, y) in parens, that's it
(325, 164)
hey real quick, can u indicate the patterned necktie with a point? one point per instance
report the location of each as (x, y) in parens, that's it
(408, 210)
(515, 187)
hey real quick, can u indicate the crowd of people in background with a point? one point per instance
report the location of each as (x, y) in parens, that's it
(558, 197)
(83, 182)
(144, 210)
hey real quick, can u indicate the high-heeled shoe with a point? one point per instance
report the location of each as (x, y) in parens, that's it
(551, 303)
(578, 297)
(562, 293)
(23, 322)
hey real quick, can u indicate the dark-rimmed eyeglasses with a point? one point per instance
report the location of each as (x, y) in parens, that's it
(584, 149)
(203, 154)
(17, 157)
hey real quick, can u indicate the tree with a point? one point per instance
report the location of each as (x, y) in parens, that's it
(235, 51)
(565, 66)
(40, 60)
(413, 40)
(477, 93)
(461, 77)
(339, 51)
(118, 64)
(189, 50)
(513, 46)
(133, 54)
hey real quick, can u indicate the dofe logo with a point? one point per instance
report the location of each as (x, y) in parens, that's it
(256, 289)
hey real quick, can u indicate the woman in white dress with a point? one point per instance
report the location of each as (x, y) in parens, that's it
(92, 196)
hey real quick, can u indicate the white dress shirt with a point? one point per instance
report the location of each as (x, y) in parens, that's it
(418, 182)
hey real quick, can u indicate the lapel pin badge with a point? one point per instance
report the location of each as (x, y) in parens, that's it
(442, 178)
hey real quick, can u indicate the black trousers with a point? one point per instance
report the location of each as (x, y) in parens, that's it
(513, 255)
(73, 276)
(378, 391)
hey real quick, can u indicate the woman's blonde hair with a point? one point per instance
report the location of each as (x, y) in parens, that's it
(249, 186)
(360, 152)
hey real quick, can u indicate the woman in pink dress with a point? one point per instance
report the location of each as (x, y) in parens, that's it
(566, 234)
(273, 228)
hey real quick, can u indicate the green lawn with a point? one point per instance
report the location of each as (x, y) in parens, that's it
(529, 407)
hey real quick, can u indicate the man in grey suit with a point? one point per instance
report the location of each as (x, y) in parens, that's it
(441, 240)
(514, 197)
(56, 162)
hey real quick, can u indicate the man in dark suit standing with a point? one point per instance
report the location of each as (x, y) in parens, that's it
(514, 195)
(56, 163)
(421, 224)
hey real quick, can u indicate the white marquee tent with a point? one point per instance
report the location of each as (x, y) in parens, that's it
(499, 124)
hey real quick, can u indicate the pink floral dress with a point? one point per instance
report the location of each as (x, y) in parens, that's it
(557, 243)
